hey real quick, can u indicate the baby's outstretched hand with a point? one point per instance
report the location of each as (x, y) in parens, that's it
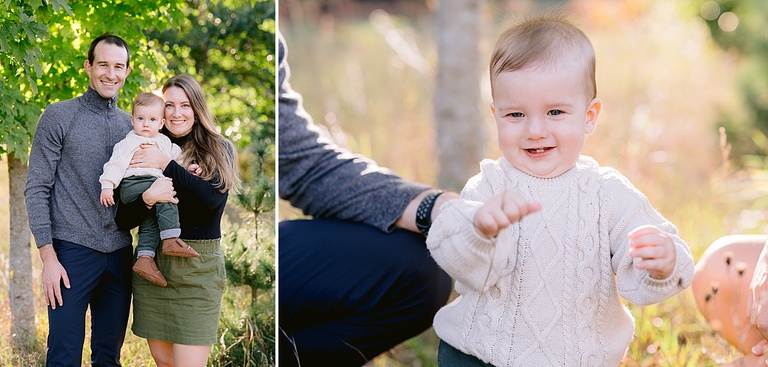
(107, 197)
(655, 249)
(500, 211)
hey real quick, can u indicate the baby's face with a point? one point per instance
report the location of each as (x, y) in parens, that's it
(147, 120)
(543, 117)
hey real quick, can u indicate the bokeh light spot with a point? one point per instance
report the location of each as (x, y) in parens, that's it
(728, 22)
(710, 10)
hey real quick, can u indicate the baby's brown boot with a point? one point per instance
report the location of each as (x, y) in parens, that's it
(176, 247)
(145, 266)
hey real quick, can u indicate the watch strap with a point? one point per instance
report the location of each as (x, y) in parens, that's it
(424, 212)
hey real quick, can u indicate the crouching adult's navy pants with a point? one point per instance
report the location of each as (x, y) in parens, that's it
(348, 292)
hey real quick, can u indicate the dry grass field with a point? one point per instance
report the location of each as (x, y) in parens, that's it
(135, 351)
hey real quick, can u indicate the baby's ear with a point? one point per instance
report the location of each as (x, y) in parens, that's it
(593, 112)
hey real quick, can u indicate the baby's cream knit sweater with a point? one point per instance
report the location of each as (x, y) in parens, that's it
(545, 291)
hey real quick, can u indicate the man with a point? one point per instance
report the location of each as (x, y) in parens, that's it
(86, 259)
(358, 279)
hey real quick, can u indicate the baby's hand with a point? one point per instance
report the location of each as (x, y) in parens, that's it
(195, 169)
(655, 249)
(500, 211)
(106, 198)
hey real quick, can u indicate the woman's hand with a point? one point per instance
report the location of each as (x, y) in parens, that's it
(149, 156)
(195, 169)
(161, 191)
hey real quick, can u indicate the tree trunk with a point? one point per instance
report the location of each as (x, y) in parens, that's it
(254, 295)
(20, 289)
(459, 122)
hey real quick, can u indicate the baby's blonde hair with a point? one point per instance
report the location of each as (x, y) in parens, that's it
(543, 42)
(148, 99)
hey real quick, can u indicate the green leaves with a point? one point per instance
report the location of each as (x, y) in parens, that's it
(59, 5)
(43, 45)
(20, 34)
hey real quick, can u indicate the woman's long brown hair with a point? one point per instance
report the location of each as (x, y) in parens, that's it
(205, 145)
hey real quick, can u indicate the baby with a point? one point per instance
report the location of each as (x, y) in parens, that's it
(147, 118)
(543, 240)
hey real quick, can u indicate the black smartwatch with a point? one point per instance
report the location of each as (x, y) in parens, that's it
(424, 212)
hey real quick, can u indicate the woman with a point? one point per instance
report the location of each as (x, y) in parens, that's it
(180, 321)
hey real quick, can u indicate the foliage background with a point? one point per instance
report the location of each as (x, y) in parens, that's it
(228, 45)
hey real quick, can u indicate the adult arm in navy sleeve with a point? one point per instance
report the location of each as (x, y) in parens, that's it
(203, 192)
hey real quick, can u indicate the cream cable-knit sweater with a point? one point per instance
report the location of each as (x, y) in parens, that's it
(118, 166)
(545, 291)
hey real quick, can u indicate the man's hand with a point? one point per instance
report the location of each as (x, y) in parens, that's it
(500, 211)
(655, 249)
(53, 275)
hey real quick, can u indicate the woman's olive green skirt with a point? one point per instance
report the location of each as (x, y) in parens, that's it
(187, 310)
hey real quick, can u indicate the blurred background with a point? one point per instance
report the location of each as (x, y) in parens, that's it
(229, 47)
(685, 90)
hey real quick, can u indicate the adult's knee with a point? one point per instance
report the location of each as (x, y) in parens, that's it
(162, 352)
(162, 359)
(727, 260)
(720, 266)
(721, 286)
